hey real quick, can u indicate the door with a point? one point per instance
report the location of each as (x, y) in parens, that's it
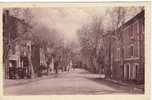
(126, 72)
(135, 67)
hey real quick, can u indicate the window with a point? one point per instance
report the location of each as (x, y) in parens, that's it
(125, 52)
(13, 50)
(128, 51)
(141, 26)
(115, 53)
(126, 71)
(134, 71)
(135, 28)
(136, 49)
(125, 35)
(118, 53)
(131, 31)
(131, 50)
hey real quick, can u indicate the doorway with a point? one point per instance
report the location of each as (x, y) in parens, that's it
(126, 72)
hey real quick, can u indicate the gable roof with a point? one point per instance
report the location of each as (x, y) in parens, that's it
(138, 16)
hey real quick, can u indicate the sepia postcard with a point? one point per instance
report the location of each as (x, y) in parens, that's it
(75, 51)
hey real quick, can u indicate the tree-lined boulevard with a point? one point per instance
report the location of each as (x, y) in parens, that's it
(55, 51)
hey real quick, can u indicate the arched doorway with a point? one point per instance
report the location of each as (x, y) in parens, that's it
(135, 70)
(126, 71)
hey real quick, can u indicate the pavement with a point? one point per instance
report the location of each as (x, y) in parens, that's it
(75, 82)
(133, 85)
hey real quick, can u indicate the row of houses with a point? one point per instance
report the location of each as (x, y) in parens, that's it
(124, 58)
(22, 57)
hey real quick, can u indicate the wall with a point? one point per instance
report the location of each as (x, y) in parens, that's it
(133, 46)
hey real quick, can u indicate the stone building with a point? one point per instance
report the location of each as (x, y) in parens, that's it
(14, 46)
(132, 54)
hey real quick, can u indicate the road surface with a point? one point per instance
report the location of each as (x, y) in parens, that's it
(77, 81)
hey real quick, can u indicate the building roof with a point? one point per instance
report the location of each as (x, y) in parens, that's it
(139, 15)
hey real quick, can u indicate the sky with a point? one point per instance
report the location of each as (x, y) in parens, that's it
(67, 20)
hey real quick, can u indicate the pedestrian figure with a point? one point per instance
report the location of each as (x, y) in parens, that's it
(70, 65)
(48, 65)
(26, 70)
(56, 65)
(100, 61)
(52, 65)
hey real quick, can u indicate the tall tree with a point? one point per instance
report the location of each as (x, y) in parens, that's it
(90, 35)
(118, 16)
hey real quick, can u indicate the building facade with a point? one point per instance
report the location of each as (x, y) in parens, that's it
(131, 54)
(16, 48)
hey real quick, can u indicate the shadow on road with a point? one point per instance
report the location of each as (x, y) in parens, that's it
(129, 89)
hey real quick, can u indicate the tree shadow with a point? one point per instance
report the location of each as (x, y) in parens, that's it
(118, 87)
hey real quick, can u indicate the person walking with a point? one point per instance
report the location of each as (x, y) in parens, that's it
(100, 61)
(52, 65)
(71, 64)
(48, 67)
(56, 64)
